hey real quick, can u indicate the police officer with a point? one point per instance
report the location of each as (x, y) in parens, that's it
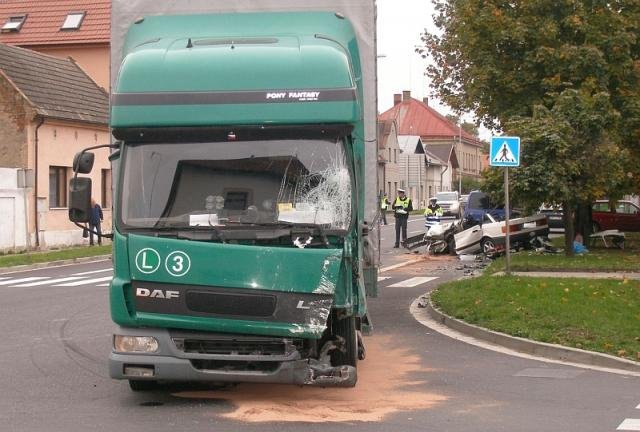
(433, 209)
(402, 205)
(384, 206)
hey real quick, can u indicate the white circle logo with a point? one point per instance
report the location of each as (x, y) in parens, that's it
(148, 260)
(177, 263)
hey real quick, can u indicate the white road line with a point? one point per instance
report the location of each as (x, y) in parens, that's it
(47, 282)
(15, 281)
(103, 285)
(85, 282)
(629, 425)
(419, 231)
(410, 283)
(3, 278)
(638, 407)
(383, 278)
(92, 272)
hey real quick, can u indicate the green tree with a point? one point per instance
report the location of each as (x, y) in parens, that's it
(562, 74)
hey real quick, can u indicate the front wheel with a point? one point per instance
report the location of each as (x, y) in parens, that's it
(488, 247)
(346, 329)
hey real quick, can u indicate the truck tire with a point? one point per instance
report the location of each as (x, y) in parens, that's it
(143, 385)
(346, 329)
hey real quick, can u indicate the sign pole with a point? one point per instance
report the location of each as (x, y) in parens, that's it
(506, 218)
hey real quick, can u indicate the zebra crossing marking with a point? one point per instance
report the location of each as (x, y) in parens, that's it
(46, 282)
(84, 282)
(92, 272)
(27, 279)
(383, 278)
(412, 282)
(629, 425)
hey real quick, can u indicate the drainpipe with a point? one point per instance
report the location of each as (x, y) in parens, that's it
(35, 186)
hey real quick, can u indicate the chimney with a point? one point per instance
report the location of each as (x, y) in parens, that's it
(406, 95)
(397, 98)
(425, 100)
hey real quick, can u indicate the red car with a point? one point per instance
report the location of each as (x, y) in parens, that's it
(623, 216)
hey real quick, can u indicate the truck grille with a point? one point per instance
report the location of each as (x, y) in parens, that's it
(232, 347)
(235, 366)
(231, 304)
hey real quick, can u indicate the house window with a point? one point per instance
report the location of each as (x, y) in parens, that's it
(73, 21)
(14, 23)
(106, 188)
(389, 155)
(395, 156)
(57, 187)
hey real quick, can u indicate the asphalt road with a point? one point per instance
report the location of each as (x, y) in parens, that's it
(54, 377)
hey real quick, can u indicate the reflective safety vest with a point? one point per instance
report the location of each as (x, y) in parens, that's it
(437, 211)
(399, 202)
(384, 203)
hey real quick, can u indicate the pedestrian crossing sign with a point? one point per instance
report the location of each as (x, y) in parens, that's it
(504, 151)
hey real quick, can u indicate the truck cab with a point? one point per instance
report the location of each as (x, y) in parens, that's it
(240, 239)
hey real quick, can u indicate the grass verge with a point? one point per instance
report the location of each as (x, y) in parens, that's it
(11, 260)
(597, 259)
(593, 314)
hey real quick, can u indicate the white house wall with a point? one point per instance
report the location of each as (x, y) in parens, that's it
(13, 216)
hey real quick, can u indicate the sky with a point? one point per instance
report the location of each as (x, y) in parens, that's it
(400, 24)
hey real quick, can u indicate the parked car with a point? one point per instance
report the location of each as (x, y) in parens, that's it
(479, 204)
(489, 237)
(623, 215)
(553, 212)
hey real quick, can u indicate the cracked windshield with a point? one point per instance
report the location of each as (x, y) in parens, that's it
(245, 183)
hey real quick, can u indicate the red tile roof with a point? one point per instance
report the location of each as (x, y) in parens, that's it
(416, 118)
(56, 87)
(45, 17)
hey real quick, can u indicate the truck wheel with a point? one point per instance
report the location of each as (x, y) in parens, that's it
(143, 385)
(346, 329)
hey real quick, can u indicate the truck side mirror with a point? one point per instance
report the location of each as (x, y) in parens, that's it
(83, 162)
(79, 199)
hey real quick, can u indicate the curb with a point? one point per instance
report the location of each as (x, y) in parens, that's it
(574, 274)
(27, 267)
(527, 346)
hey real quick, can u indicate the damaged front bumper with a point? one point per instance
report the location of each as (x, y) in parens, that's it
(194, 357)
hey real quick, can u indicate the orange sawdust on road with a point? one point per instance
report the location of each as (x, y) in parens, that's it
(385, 386)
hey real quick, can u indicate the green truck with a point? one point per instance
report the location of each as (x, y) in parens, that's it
(244, 236)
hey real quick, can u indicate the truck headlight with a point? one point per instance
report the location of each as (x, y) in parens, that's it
(136, 344)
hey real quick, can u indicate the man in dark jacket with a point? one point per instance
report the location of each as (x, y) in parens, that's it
(94, 222)
(402, 205)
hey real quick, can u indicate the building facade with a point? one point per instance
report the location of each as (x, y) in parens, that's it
(49, 110)
(77, 29)
(417, 118)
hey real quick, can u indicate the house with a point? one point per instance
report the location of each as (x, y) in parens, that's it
(417, 118)
(424, 171)
(443, 159)
(79, 29)
(388, 155)
(49, 110)
(413, 168)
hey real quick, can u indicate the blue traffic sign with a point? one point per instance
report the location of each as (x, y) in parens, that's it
(504, 151)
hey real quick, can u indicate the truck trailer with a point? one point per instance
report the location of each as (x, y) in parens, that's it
(245, 240)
